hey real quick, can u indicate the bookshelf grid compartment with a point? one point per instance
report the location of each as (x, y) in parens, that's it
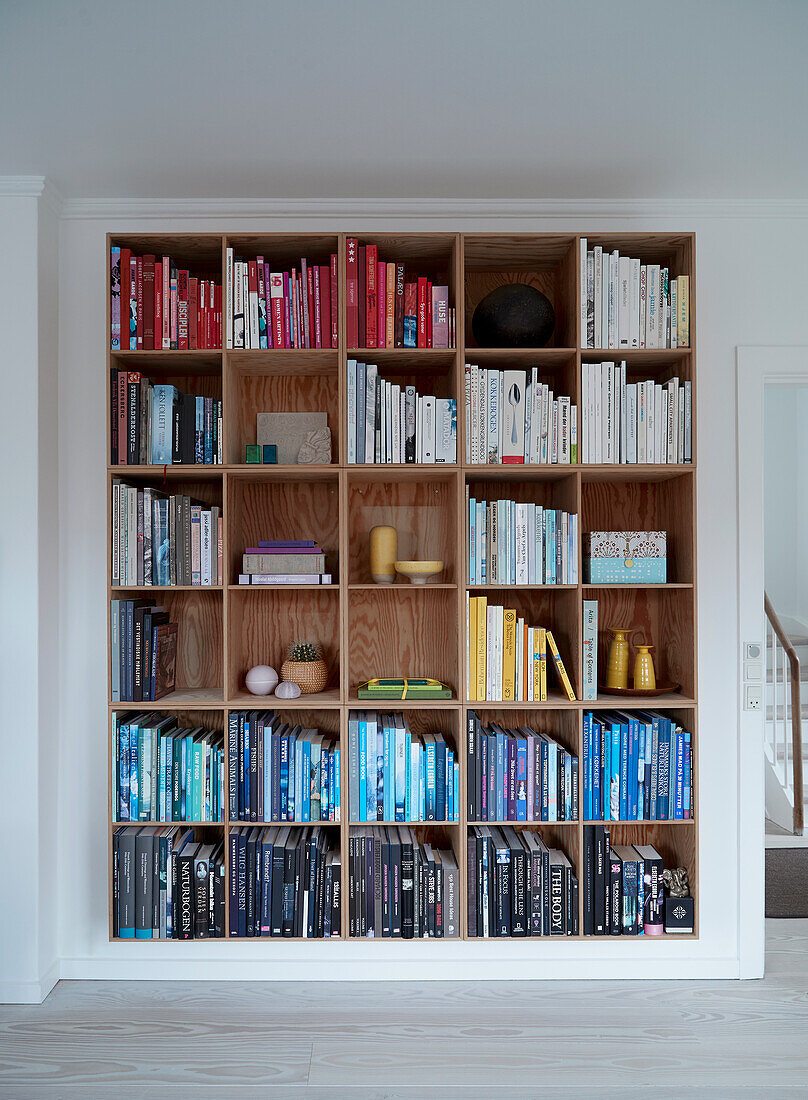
(226, 628)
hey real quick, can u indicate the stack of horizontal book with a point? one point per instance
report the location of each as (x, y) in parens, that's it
(636, 766)
(401, 888)
(284, 882)
(518, 775)
(622, 886)
(143, 651)
(508, 658)
(165, 772)
(395, 775)
(280, 771)
(166, 885)
(520, 543)
(279, 561)
(517, 886)
(156, 424)
(164, 540)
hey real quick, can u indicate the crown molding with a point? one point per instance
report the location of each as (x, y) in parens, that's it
(426, 210)
(32, 187)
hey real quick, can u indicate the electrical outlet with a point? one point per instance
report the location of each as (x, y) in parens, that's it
(753, 697)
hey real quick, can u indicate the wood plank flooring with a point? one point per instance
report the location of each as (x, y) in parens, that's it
(450, 1039)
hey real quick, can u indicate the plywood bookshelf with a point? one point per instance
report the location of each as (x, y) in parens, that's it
(368, 630)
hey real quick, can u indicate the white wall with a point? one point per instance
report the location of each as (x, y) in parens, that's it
(29, 595)
(732, 310)
(785, 484)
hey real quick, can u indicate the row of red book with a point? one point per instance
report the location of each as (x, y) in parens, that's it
(154, 305)
(385, 310)
(266, 308)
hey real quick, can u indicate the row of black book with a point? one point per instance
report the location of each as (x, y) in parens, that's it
(166, 885)
(143, 651)
(517, 886)
(154, 423)
(401, 888)
(284, 882)
(623, 890)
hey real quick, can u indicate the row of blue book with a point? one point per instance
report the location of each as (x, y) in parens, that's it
(518, 775)
(164, 772)
(281, 772)
(395, 775)
(636, 767)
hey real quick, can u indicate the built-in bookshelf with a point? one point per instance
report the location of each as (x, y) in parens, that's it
(368, 630)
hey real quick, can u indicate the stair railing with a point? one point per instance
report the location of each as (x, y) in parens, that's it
(784, 731)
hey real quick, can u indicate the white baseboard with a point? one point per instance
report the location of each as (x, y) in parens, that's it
(678, 967)
(29, 993)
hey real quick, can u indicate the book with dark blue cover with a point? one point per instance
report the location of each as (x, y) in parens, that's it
(440, 778)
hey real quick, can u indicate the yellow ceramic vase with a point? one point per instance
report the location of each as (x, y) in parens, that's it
(617, 669)
(383, 554)
(644, 675)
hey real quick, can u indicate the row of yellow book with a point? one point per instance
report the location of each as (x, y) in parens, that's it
(507, 658)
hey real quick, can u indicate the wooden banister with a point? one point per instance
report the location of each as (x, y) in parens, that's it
(796, 713)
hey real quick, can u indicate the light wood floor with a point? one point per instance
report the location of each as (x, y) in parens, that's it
(517, 1040)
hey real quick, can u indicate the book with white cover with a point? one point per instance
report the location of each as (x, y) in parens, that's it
(597, 292)
(428, 440)
(512, 432)
(371, 373)
(634, 306)
(351, 411)
(624, 298)
(582, 273)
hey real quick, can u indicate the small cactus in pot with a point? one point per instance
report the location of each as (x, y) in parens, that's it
(304, 666)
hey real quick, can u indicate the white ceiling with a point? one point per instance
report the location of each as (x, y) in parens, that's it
(609, 99)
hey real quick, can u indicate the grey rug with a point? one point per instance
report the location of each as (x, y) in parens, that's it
(787, 882)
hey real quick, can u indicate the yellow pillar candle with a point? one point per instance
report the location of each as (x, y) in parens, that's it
(383, 554)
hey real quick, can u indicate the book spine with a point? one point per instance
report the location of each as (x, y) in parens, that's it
(334, 301)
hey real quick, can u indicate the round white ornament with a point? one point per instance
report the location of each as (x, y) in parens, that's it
(261, 680)
(287, 689)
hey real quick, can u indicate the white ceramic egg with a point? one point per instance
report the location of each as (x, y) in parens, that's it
(261, 680)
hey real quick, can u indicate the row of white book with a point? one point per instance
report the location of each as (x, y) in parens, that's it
(628, 304)
(634, 422)
(391, 423)
(513, 417)
(517, 543)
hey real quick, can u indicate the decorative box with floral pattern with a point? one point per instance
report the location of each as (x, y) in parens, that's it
(625, 557)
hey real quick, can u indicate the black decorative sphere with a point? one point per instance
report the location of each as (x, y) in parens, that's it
(513, 316)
